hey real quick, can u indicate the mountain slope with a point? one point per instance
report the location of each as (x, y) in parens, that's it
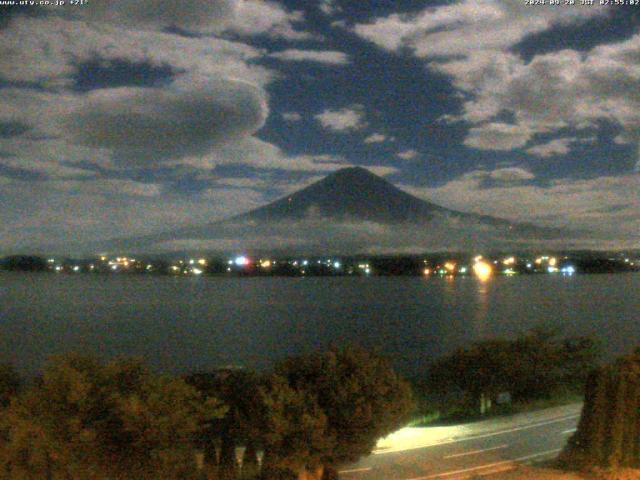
(351, 193)
(350, 210)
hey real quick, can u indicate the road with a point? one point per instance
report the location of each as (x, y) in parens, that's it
(466, 451)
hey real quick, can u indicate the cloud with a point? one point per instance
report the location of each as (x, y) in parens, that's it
(559, 146)
(316, 235)
(291, 116)
(106, 187)
(343, 120)
(48, 50)
(194, 127)
(375, 138)
(264, 155)
(382, 170)
(244, 17)
(605, 77)
(51, 158)
(466, 27)
(260, 17)
(328, 57)
(143, 126)
(472, 42)
(511, 174)
(74, 215)
(607, 205)
(329, 7)
(205, 106)
(407, 154)
(497, 136)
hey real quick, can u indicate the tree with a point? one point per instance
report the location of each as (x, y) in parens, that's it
(333, 407)
(608, 433)
(86, 420)
(238, 389)
(531, 366)
(295, 429)
(9, 384)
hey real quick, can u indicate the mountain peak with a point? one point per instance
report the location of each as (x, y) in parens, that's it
(352, 193)
(355, 174)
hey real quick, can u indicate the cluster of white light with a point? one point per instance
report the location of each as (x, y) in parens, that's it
(365, 267)
(242, 261)
(120, 262)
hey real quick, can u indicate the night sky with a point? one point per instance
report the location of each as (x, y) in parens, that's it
(133, 117)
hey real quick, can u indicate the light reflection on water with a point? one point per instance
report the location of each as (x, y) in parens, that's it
(181, 324)
(482, 309)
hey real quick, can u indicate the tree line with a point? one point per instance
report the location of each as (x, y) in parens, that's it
(496, 373)
(87, 419)
(84, 419)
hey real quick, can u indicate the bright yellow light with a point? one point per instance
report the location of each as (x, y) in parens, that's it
(202, 262)
(483, 270)
(426, 271)
(509, 261)
(450, 266)
(553, 262)
(477, 258)
(538, 260)
(265, 263)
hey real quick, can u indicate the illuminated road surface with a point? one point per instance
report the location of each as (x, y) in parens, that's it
(465, 451)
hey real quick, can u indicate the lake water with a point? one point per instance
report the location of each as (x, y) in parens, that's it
(184, 324)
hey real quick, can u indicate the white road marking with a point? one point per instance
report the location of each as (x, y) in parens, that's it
(356, 470)
(486, 466)
(535, 455)
(475, 452)
(475, 437)
(506, 468)
(464, 470)
(571, 430)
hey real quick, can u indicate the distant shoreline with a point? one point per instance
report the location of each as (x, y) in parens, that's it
(427, 265)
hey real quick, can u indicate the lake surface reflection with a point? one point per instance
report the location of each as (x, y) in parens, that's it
(184, 324)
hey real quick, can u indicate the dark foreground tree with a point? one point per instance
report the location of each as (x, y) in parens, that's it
(86, 420)
(531, 366)
(9, 384)
(608, 433)
(325, 409)
(295, 430)
(238, 389)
